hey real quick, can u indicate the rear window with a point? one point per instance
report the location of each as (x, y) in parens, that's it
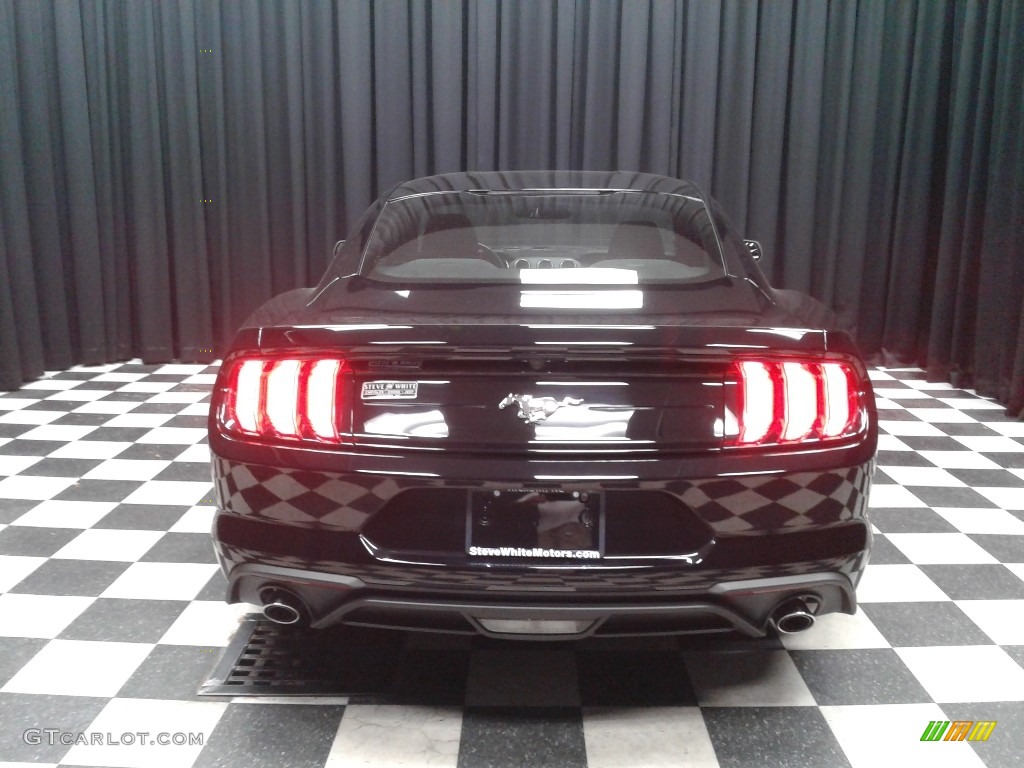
(582, 237)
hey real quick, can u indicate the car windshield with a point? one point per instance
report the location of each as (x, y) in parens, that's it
(579, 237)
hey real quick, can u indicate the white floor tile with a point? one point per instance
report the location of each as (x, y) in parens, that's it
(959, 460)
(201, 378)
(647, 737)
(901, 393)
(79, 395)
(90, 449)
(52, 384)
(837, 631)
(1002, 620)
(120, 376)
(1017, 568)
(983, 521)
(44, 616)
(990, 444)
(910, 429)
(942, 415)
(929, 385)
(1007, 428)
(198, 409)
(181, 369)
(883, 496)
(32, 488)
(174, 435)
(177, 397)
(372, 735)
(966, 673)
(12, 465)
(109, 544)
(30, 417)
(139, 420)
(746, 679)
(1005, 498)
(66, 514)
(972, 404)
(127, 469)
(932, 477)
(177, 492)
(940, 548)
(206, 623)
(892, 443)
(200, 520)
(161, 581)
(14, 403)
(153, 717)
(890, 735)
(897, 584)
(197, 453)
(14, 569)
(147, 386)
(79, 668)
(108, 406)
(61, 432)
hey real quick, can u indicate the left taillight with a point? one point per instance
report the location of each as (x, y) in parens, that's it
(282, 398)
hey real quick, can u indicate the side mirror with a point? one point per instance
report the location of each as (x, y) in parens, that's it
(755, 249)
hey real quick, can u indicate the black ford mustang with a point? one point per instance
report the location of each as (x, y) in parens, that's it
(543, 404)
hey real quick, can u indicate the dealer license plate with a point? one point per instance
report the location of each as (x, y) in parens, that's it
(522, 523)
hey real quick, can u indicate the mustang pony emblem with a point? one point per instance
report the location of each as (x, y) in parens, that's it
(533, 409)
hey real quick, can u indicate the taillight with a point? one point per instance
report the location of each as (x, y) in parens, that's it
(787, 401)
(283, 398)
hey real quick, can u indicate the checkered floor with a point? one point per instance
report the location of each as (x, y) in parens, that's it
(111, 617)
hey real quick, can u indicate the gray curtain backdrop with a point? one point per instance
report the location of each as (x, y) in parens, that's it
(167, 166)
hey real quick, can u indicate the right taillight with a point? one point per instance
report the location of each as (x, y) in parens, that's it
(789, 401)
(282, 398)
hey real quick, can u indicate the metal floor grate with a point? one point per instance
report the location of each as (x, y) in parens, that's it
(264, 659)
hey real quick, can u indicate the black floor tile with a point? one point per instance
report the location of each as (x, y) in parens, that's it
(142, 517)
(951, 497)
(71, 577)
(924, 624)
(99, 490)
(884, 552)
(251, 735)
(172, 672)
(859, 676)
(1005, 746)
(20, 713)
(61, 467)
(16, 652)
(12, 509)
(526, 738)
(772, 737)
(128, 621)
(429, 677)
(630, 678)
(910, 520)
(976, 582)
(1005, 549)
(34, 542)
(181, 548)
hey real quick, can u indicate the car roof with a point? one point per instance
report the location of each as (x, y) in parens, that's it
(515, 181)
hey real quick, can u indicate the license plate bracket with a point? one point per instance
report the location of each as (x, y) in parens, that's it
(522, 523)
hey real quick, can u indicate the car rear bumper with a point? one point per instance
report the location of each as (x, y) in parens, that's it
(749, 606)
(761, 540)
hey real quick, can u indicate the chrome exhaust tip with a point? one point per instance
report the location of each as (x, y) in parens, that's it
(282, 607)
(795, 615)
